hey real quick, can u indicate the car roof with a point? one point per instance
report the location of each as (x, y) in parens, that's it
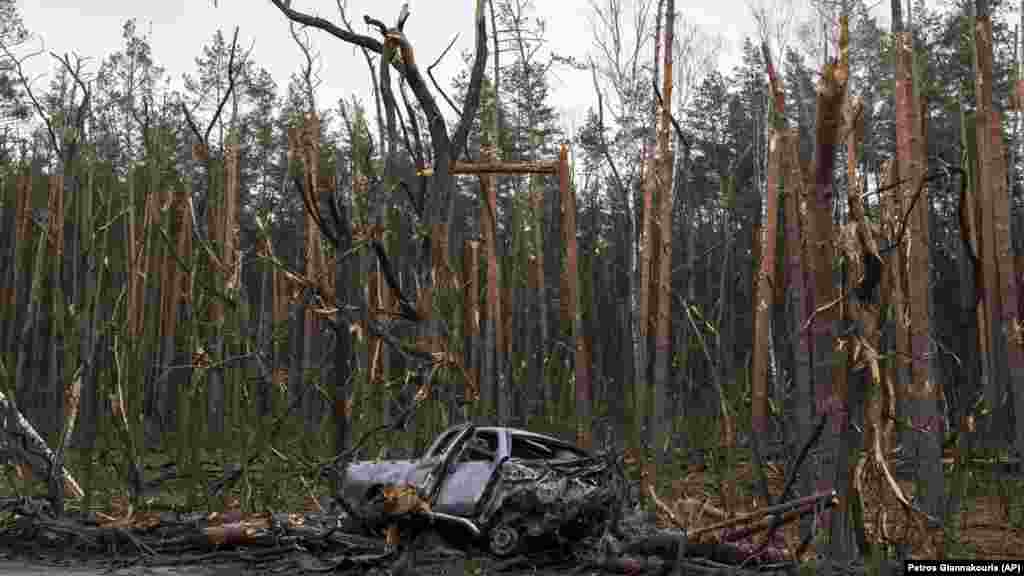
(532, 435)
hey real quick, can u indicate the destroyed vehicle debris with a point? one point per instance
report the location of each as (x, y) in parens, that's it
(503, 487)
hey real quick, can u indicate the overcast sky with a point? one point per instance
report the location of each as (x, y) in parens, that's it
(179, 28)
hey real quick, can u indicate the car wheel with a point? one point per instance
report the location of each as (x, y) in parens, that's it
(503, 540)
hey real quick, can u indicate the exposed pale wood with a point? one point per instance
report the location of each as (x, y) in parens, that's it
(471, 316)
(39, 455)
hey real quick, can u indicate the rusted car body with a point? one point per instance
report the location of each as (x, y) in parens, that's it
(502, 485)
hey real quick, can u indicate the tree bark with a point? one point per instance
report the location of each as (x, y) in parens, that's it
(922, 392)
(572, 296)
(660, 425)
(829, 400)
(987, 185)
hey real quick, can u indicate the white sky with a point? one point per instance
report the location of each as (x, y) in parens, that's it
(179, 28)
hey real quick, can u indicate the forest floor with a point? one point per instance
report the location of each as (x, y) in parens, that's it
(990, 522)
(990, 525)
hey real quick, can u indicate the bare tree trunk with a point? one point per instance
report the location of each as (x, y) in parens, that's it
(986, 189)
(829, 400)
(490, 369)
(800, 307)
(640, 395)
(922, 393)
(725, 343)
(572, 296)
(660, 425)
(471, 318)
(539, 351)
(344, 363)
(766, 282)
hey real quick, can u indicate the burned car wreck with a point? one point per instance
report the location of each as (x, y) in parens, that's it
(500, 487)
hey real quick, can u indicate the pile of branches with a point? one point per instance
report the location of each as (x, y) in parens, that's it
(309, 542)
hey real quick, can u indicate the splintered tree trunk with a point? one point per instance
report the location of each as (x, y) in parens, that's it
(490, 364)
(998, 262)
(973, 373)
(232, 271)
(800, 304)
(764, 296)
(660, 425)
(987, 185)
(1011, 330)
(829, 402)
(860, 248)
(471, 318)
(921, 394)
(313, 258)
(572, 296)
(171, 293)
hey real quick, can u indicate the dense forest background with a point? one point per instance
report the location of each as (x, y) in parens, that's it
(823, 240)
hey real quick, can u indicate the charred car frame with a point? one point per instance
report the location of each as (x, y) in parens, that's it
(503, 486)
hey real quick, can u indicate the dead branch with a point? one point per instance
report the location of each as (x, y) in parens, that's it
(83, 106)
(410, 71)
(600, 130)
(204, 137)
(316, 22)
(430, 72)
(778, 511)
(31, 95)
(307, 68)
(313, 209)
(408, 310)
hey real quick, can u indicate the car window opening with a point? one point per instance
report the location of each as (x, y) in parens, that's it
(482, 447)
(527, 449)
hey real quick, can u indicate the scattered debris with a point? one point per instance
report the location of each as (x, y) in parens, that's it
(510, 499)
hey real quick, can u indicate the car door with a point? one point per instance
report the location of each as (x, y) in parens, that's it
(429, 466)
(468, 473)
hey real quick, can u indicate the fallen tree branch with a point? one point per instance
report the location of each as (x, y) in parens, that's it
(11, 416)
(778, 509)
